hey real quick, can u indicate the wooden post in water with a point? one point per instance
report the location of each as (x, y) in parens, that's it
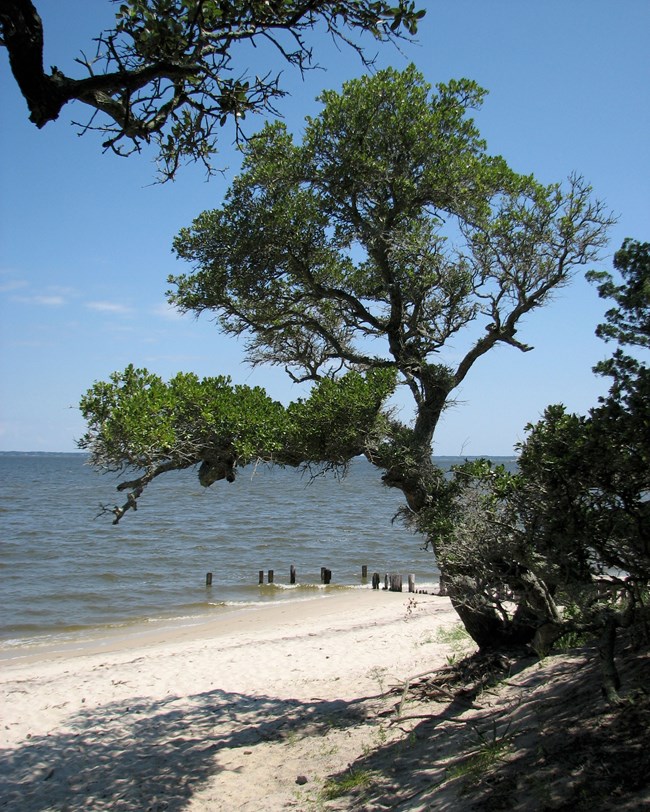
(261, 581)
(364, 571)
(411, 582)
(270, 576)
(395, 583)
(375, 580)
(208, 579)
(292, 574)
(386, 581)
(327, 575)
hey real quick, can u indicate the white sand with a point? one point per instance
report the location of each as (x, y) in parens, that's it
(253, 711)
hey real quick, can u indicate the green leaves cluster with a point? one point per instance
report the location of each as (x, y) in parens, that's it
(595, 469)
(138, 422)
(629, 322)
(340, 419)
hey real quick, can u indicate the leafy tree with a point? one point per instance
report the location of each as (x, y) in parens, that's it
(386, 234)
(381, 237)
(572, 526)
(597, 468)
(629, 322)
(169, 72)
(340, 252)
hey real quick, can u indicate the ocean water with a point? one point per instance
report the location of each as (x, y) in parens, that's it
(65, 570)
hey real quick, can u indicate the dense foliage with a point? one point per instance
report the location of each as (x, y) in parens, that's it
(173, 72)
(567, 537)
(596, 469)
(138, 422)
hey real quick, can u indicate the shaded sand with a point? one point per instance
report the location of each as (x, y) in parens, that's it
(253, 711)
(319, 705)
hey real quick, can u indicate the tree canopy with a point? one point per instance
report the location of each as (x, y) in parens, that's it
(173, 72)
(388, 232)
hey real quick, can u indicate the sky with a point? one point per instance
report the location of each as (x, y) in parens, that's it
(85, 237)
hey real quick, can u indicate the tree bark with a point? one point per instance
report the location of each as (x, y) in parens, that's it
(489, 629)
(22, 34)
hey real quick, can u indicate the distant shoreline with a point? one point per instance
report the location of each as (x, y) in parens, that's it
(493, 457)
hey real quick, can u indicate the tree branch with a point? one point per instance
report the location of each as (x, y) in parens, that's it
(187, 46)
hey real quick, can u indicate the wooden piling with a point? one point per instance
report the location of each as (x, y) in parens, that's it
(364, 571)
(327, 575)
(261, 581)
(375, 580)
(270, 578)
(208, 579)
(292, 574)
(411, 582)
(395, 583)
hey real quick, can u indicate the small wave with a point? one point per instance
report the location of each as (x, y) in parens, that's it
(306, 586)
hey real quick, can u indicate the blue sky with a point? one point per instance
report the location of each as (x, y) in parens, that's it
(85, 238)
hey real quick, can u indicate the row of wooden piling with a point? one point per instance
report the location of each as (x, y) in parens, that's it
(392, 582)
(325, 576)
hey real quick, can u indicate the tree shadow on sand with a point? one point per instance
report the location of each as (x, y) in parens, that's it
(145, 755)
(542, 739)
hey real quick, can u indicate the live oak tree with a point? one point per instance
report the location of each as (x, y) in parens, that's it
(383, 236)
(172, 72)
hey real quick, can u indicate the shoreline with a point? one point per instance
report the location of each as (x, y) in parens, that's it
(64, 642)
(223, 620)
(200, 717)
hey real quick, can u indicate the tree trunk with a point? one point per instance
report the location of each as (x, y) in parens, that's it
(409, 466)
(490, 630)
(606, 650)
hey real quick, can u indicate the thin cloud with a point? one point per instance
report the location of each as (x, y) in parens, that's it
(168, 312)
(109, 307)
(44, 301)
(49, 301)
(49, 296)
(12, 284)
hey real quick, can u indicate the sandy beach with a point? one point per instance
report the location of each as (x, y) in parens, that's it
(256, 710)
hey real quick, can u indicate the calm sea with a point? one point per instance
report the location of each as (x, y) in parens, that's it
(63, 570)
